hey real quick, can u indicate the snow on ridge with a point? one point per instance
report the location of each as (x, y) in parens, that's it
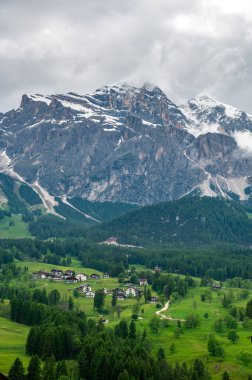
(205, 102)
(118, 88)
(40, 98)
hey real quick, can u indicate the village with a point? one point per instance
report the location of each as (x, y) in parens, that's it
(83, 288)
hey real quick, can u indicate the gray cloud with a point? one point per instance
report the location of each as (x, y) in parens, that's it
(184, 47)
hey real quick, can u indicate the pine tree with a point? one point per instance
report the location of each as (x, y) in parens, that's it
(249, 309)
(49, 372)
(54, 297)
(225, 376)
(17, 371)
(61, 369)
(34, 370)
(132, 330)
(114, 300)
(99, 299)
(161, 354)
(70, 303)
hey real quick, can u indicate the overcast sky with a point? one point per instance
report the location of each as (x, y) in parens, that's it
(186, 47)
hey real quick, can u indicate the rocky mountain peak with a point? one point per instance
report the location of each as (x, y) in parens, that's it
(127, 144)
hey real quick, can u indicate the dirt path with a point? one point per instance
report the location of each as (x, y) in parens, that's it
(166, 306)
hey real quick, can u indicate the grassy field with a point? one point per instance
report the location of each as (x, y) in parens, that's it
(67, 289)
(12, 343)
(18, 230)
(191, 345)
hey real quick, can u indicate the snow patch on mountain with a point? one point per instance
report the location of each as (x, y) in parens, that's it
(40, 98)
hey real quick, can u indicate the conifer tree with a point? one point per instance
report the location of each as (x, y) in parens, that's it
(114, 300)
(17, 371)
(49, 371)
(70, 303)
(132, 330)
(34, 370)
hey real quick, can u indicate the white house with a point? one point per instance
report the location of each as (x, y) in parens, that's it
(131, 292)
(41, 274)
(90, 294)
(81, 277)
(143, 281)
(84, 288)
(71, 280)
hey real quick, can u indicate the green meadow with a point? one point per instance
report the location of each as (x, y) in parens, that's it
(190, 345)
(12, 343)
(14, 227)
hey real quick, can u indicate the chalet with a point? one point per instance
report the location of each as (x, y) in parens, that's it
(119, 291)
(153, 300)
(56, 272)
(81, 277)
(95, 276)
(41, 275)
(106, 275)
(90, 294)
(105, 291)
(143, 281)
(131, 292)
(71, 280)
(216, 287)
(127, 284)
(120, 298)
(119, 294)
(158, 269)
(57, 277)
(84, 288)
(69, 273)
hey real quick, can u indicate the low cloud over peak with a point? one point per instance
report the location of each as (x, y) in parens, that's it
(181, 46)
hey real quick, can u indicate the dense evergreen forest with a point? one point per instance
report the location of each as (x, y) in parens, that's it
(223, 261)
(190, 220)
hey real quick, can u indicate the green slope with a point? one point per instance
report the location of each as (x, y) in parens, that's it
(188, 220)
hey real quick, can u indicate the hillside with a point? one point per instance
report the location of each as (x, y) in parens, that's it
(188, 220)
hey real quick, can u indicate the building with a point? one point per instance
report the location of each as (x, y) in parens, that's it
(41, 275)
(120, 298)
(153, 300)
(71, 280)
(81, 277)
(216, 287)
(119, 294)
(90, 294)
(143, 282)
(85, 288)
(106, 275)
(69, 273)
(95, 276)
(57, 272)
(131, 292)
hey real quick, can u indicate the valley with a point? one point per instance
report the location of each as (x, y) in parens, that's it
(134, 182)
(188, 342)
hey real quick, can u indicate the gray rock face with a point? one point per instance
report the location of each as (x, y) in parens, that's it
(125, 144)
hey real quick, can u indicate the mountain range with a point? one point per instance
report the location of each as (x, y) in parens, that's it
(127, 145)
